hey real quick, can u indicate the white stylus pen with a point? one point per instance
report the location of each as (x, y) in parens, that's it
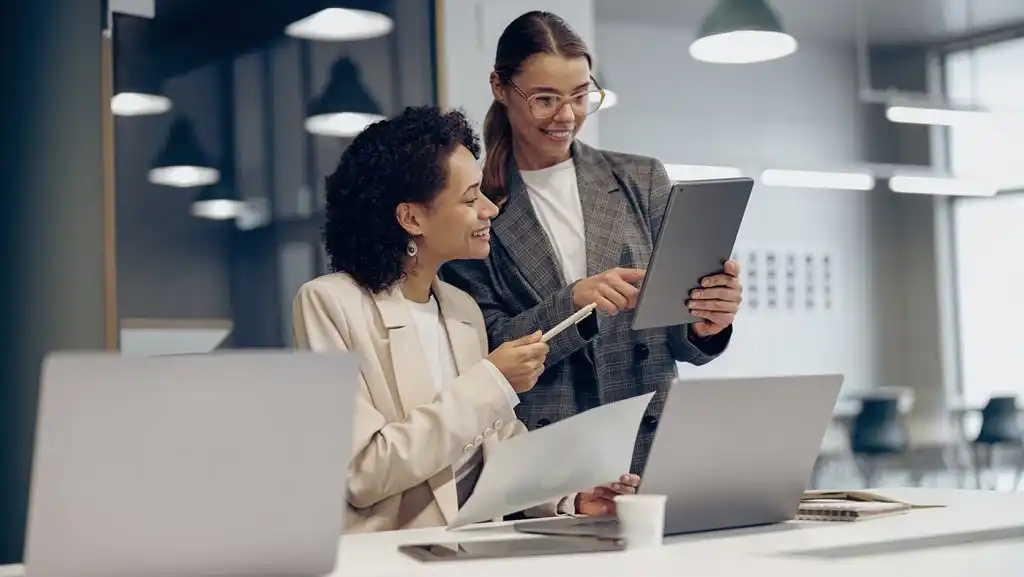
(572, 320)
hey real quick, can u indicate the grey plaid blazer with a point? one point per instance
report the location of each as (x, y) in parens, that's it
(521, 289)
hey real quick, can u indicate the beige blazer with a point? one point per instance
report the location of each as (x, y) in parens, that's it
(407, 436)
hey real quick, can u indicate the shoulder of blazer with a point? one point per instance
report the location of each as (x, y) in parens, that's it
(338, 288)
(637, 166)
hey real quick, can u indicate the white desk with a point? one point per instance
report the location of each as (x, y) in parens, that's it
(746, 552)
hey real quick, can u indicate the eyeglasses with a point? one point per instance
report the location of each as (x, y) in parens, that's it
(544, 105)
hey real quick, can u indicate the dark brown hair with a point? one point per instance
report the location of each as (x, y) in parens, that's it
(532, 33)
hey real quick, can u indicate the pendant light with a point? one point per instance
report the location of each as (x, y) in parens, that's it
(742, 32)
(345, 107)
(138, 91)
(218, 202)
(137, 82)
(338, 24)
(181, 162)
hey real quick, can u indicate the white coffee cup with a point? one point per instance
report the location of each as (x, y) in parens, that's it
(641, 519)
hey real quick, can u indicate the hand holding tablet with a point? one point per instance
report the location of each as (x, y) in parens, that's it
(686, 280)
(716, 301)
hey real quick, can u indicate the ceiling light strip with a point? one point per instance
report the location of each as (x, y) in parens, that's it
(818, 179)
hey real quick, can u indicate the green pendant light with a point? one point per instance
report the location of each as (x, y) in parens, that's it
(742, 32)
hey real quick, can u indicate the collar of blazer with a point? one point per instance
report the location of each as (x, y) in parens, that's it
(605, 210)
(408, 355)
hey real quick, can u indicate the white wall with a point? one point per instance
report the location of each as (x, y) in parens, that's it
(799, 112)
(469, 37)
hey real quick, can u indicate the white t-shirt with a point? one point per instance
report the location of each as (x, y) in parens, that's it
(437, 348)
(555, 196)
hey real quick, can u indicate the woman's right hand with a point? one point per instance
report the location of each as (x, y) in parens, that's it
(521, 361)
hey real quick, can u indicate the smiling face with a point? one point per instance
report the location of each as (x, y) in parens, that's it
(457, 222)
(542, 130)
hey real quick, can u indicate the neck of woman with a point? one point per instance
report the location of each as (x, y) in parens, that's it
(419, 274)
(530, 159)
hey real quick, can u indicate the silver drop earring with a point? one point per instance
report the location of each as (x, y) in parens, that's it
(411, 249)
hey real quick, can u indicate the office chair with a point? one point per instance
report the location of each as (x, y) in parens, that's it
(877, 433)
(1000, 427)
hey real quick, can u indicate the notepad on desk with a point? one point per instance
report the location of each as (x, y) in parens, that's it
(850, 506)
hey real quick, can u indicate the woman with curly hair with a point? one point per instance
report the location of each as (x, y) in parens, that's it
(404, 200)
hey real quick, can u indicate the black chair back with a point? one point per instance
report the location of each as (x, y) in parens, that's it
(878, 428)
(1001, 422)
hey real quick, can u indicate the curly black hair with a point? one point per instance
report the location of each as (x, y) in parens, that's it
(401, 159)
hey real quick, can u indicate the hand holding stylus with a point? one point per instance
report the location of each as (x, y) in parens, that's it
(521, 361)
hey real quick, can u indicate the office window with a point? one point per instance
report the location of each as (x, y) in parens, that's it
(989, 235)
(991, 77)
(989, 232)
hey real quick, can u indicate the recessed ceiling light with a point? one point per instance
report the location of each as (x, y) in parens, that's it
(935, 116)
(941, 186)
(341, 24)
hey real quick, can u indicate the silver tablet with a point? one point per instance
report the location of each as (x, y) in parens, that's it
(698, 234)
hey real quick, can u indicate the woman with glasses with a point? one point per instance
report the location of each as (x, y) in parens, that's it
(576, 227)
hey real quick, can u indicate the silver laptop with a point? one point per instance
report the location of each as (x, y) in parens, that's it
(213, 464)
(728, 453)
(698, 234)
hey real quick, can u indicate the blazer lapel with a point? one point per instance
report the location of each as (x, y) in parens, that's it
(466, 343)
(414, 380)
(519, 231)
(605, 209)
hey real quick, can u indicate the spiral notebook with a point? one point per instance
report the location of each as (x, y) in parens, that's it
(850, 506)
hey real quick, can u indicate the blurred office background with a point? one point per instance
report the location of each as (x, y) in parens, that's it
(177, 208)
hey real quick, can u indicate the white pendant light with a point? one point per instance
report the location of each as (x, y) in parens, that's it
(182, 162)
(337, 24)
(139, 104)
(345, 107)
(742, 32)
(218, 202)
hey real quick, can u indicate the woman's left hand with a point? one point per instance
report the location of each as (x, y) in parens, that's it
(600, 501)
(717, 301)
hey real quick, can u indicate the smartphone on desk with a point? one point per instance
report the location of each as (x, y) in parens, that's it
(504, 548)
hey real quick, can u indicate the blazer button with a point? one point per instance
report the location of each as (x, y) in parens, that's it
(467, 448)
(649, 423)
(478, 441)
(543, 423)
(641, 351)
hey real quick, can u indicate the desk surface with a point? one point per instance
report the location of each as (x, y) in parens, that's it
(960, 539)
